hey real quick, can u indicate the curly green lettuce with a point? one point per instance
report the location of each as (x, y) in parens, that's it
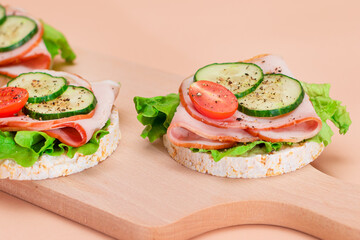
(156, 114)
(327, 109)
(25, 147)
(241, 149)
(56, 43)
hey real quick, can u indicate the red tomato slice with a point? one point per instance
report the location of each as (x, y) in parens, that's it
(12, 100)
(213, 100)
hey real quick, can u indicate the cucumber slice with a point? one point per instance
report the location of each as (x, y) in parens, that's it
(2, 14)
(74, 101)
(42, 87)
(277, 94)
(240, 78)
(16, 31)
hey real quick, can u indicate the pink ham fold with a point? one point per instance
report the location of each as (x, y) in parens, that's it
(186, 131)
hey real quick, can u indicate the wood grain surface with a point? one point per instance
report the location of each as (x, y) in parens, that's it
(141, 193)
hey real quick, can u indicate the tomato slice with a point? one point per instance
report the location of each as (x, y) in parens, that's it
(12, 100)
(213, 100)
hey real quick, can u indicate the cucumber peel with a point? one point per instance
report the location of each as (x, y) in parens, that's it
(42, 87)
(239, 77)
(15, 31)
(74, 101)
(278, 94)
(2, 14)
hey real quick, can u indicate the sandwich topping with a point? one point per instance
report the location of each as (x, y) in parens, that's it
(277, 111)
(27, 44)
(284, 94)
(72, 119)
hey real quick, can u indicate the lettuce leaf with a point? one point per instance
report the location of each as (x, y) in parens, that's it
(156, 114)
(327, 109)
(25, 154)
(241, 149)
(25, 147)
(56, 42)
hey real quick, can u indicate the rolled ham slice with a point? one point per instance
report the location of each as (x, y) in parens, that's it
(37, 58)
(32, 55)
(185, 131)
(296, 133)
(78, 132)
(300, 124)
(271, 64)
(74, 131)
(184, 138)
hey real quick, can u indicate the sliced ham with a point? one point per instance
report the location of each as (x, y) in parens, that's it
(186, 131)
(79, 132)
(32, 55)
(184, 138)
(300, 124)
(295, 133)
(76, 130)
(271, 64)
(38, 58)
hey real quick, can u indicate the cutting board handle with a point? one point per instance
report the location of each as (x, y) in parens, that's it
(306, 200)
(321, 205)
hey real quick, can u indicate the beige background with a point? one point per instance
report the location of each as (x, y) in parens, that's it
(319, 40)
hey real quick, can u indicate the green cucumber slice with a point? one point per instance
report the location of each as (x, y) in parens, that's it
(240, 78)
(16, 31)
(276, 95)
(74, 101)
(42, 87)
(2, 14)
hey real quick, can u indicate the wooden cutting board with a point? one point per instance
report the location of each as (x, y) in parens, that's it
(141, 193)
